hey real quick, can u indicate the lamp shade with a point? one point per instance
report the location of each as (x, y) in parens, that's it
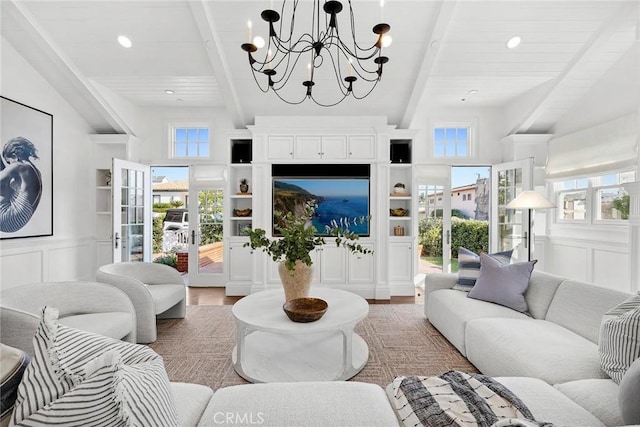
(530, 200)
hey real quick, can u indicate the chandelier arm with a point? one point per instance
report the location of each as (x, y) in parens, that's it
(328, 105)
(368, 92)
(290, 102)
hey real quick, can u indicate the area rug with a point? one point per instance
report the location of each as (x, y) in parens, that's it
(401, 341)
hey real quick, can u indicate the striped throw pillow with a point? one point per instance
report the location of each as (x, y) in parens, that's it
(469, 267)
(88, 379)
(625, 306)
(619, 343)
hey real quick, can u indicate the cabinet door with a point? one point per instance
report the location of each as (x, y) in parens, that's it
(400, 261)
(280, 147)
(334, 147)
(362, 147)
(240, 262)
(308, 147)
(333, 263)
(361, 266)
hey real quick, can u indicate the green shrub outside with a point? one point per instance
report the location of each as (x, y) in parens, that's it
(171, 260)
(157, 234)
(469, 233)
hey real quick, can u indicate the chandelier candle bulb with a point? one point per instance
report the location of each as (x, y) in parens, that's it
(249, 25)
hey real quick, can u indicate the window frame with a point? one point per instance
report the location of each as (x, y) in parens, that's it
(174, 126)
(592, 202)
(469, 125)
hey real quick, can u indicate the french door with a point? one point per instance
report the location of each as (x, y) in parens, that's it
(206, 226)
(131, 183)
(434, 214)
(510, 227)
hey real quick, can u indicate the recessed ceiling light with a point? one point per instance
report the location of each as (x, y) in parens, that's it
(168, 92)
(514, 42)
(463, 99)
(473, 91)
(125, 41)
(180, 100)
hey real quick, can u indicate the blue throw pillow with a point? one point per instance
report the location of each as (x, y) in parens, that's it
(503, 284)
(469, 267)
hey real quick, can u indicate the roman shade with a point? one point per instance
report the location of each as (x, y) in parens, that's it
(602, 148)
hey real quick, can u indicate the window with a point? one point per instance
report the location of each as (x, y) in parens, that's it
(452, 141)
(597, 199)
(190, 141)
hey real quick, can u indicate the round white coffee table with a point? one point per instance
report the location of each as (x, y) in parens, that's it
(271, 348)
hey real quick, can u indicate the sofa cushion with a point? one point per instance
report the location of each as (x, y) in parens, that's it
(309, 404)
(599, 396)
(503, 284)
(548, 404)
(191, 401)
(469, 267)
(166, 296)
(540, 292)
(579, 307)
(450, 310)
(530, 348)
(115, 325)
(125, 381)
(629, 394)
(627, 305)
(619, 343)
(13, 363)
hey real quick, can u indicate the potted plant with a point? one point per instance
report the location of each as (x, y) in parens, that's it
(244, 185)
(399, 188)
(293, 250)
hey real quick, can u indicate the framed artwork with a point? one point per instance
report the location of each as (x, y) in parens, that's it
(243, 226)
(26, 171)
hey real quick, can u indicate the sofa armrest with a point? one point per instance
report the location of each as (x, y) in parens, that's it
(435, 281)
(18, 328)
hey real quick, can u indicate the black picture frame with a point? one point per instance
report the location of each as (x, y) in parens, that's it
(26, 171)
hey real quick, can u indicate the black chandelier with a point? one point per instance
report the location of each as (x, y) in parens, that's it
(356, 70)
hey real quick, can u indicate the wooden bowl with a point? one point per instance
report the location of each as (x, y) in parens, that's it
(242, 212)
(398, 212)
(305, 309)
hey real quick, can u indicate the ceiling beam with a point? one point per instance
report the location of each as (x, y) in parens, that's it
(440, 21)
(63, 63)
(213, 45)
(589, 48)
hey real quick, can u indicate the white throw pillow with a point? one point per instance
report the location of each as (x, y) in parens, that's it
(120, 383)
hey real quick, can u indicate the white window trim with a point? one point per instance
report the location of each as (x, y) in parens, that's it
(171, 132)
(471, 125)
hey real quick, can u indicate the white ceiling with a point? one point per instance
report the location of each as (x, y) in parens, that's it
(441, 50)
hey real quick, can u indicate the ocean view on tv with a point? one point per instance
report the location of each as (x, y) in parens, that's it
(335, 198)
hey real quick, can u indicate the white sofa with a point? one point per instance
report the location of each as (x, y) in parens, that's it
(557, 344)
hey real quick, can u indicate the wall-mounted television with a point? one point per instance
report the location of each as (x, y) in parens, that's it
(338, 191)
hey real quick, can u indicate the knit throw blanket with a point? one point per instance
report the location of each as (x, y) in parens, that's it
(458, 399)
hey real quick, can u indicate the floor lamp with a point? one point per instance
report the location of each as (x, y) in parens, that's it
(530, 200)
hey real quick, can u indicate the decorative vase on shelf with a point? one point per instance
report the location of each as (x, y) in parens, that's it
(244, 186)
(296, 282)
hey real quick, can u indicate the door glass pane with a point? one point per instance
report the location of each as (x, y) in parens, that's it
(132, 216)
(430, 208)
(510, 229)
(211, 248)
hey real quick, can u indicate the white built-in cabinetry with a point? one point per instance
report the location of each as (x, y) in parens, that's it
(389, 271)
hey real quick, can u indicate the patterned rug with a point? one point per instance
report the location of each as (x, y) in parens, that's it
(197, 349)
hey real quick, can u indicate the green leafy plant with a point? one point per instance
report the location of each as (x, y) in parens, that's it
(299, 237)
(621, 204)
(171, 260)
(399, 184)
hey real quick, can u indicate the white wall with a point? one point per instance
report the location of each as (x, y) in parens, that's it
(68, 254)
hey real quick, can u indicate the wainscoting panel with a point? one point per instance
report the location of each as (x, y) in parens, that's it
(611, 269)
(71, 263)
(603, 263)
(46, 261)
(21, 268)
(568, 261)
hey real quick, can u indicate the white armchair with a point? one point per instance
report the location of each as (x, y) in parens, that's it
(90, 306)
(156, 290)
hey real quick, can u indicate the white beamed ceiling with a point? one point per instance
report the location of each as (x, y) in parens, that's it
(441, 50)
